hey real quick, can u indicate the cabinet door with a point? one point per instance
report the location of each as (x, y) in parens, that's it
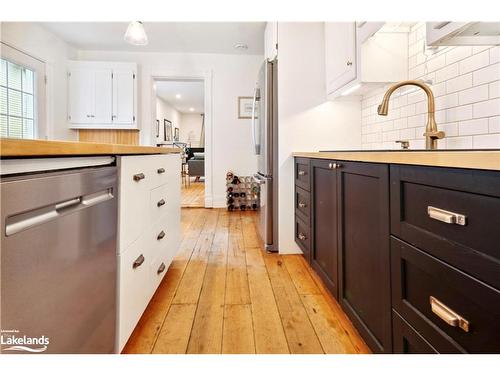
(80, 82)
(324, 224)
(271, 40)
(364, 262)
(123, 96)
(102, 96)
(340, 54)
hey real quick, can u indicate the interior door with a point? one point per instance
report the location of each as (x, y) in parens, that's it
(340, 54)
(81, 83)
(102, 100)
(123, 97)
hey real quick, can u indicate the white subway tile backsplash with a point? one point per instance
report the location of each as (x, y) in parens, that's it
(473, 95)
(472, 127)
(487, 108)
(459, 83)
(486, 141)
(489, 74)
(474, 62)
(466, 87)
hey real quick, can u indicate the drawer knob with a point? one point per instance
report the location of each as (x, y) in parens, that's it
(302, 205)
(448, 315)
(160, 235)
(139, 176)
(160, 170)
(138, 261)
(302, 173)
(302, 236)
(161, 202)
(161, 268)
(446, 216)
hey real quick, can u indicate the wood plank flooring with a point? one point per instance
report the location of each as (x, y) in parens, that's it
(224, 294)
(193, 195)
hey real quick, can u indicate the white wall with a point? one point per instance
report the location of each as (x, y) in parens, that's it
(232, 76)
(467, 90)
(307, 122)
(190, 129)
(40, 43)
(165, 110)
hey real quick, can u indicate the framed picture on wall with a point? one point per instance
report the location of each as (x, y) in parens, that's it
(167, 127)
(157, 128)
(245, 107)
(176, 134)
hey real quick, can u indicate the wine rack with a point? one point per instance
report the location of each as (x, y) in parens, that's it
(242, 193)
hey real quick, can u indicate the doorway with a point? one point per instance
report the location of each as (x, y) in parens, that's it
(180, 122)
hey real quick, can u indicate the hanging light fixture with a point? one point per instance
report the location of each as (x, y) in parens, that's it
(136, 34)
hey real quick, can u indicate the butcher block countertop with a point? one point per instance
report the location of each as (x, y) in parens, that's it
(471, 159)
(10, 148)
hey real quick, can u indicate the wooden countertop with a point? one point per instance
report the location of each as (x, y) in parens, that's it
(28, 148)
(473, 159)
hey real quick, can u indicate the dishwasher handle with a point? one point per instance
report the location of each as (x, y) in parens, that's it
(19, 222)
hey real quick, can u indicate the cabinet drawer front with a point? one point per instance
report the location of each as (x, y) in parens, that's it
(163, 169)
(302, 203)
(452, 310)
(406, 340)
(452, 214)
(159, 202)
(302, 173)
(302, 236)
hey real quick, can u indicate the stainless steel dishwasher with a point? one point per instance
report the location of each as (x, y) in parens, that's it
(58, 261)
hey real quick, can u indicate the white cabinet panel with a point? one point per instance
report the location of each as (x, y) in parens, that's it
(340, 54)
(123, 97)
(102, 96)
(80, 82)
(271, 40)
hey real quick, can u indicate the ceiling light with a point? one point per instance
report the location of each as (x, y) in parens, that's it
(350, 90)
(177, 96)
(191, 109)
(240, 46)
(135, 34)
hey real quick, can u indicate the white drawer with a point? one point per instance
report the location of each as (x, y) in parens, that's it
(159, 202)
(162, 168)
(134, 286)
(159, 269)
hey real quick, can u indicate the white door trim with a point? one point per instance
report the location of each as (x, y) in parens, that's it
(164, 73)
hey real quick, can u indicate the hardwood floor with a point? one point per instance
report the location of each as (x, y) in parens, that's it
(193, 195)
(224, 294)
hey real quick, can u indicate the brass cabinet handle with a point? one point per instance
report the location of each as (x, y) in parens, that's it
(349, 63)
(448, 315)
(161, 202)
(334, 165)
(160, 170)
(161, 268)
(139, 176)
(302, 205)
(302, 173)
(138, 261)
(302, 236)
(446, 216)
(160, 235)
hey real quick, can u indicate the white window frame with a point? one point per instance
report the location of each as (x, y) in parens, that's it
(39, 90)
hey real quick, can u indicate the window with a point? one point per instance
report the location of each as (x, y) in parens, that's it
(22, 94)
(17, 101)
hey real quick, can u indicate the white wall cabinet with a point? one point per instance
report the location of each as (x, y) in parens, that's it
(102, 95)
(271, 40)
(462, 33)
(360, 57)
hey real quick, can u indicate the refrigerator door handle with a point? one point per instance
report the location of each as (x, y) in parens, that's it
(259, 180)
(256, 97)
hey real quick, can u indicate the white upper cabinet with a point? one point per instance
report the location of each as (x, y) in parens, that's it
(102, 95)
(271, 40)
(362, 56)
(462, 33)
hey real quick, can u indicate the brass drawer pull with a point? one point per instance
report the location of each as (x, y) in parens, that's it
(302, 236)
(161, 202)
(139, 176)
(160, 170)
(302, 205)
(302, 173)
(446, 216)
(161, 268)
(138, 261)
(160, 235)
(448, 315)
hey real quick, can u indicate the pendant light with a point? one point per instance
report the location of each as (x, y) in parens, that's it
(136, 35)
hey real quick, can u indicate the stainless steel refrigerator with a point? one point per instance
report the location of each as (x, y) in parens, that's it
(265, 138)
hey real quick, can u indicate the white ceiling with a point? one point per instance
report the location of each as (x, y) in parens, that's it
(191, 92)
(189, 37)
